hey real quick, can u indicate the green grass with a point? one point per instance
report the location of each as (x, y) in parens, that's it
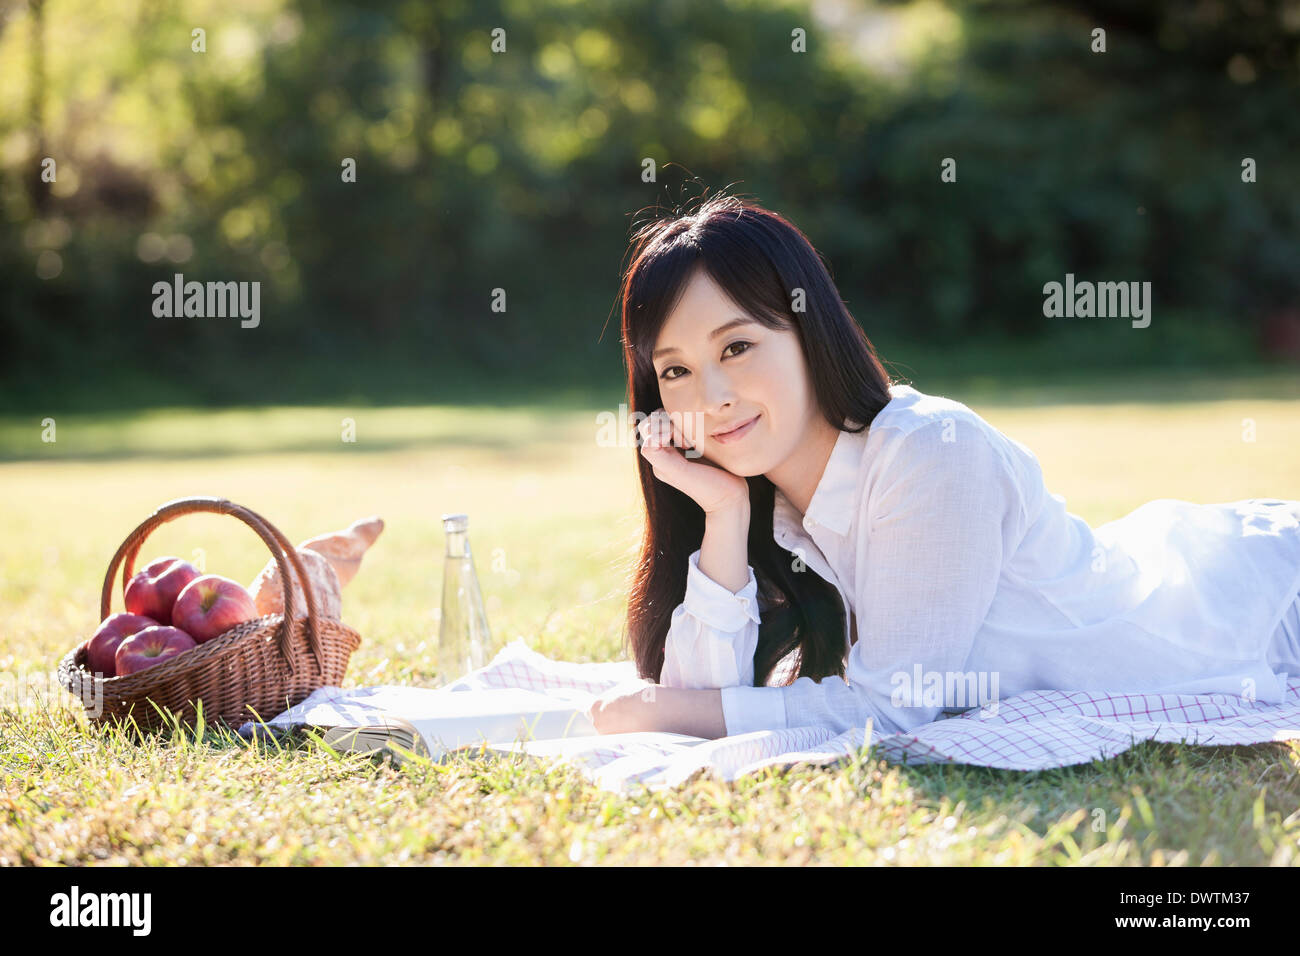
(554, 522)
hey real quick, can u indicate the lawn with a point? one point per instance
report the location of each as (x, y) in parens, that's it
(554, 524)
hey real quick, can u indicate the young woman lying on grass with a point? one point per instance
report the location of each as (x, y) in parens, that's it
(823, 546)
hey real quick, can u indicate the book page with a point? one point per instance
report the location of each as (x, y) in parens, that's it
(501, 715)
(661, 742)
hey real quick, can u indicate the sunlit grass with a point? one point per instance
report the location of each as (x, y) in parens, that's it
(554, 520)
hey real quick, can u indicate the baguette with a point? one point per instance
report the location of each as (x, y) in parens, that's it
(330, 560)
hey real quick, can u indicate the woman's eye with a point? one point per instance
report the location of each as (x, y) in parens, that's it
(748, 345)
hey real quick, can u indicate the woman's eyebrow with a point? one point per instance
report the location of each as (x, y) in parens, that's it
(726, 326)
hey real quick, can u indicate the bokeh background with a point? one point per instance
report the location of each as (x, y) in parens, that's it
(523, 170)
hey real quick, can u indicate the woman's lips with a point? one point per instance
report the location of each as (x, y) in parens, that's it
(738, 433)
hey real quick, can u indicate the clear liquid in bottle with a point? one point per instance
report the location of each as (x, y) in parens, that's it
(464, 641)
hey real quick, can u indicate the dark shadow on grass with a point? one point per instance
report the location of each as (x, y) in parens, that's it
(508, 447)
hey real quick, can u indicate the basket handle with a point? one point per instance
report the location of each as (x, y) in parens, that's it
(280, 548)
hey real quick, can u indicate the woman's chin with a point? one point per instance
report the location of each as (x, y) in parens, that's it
(738, 470)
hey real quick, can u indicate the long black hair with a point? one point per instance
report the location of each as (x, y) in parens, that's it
(758, 258)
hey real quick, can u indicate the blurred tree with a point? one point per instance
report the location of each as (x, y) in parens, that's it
(513, 161)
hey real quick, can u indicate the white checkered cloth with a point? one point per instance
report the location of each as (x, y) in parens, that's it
(1031, 731)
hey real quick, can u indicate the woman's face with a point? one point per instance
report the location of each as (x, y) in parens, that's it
(746, 372)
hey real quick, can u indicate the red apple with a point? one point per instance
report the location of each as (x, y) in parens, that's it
(152, 591)
(211, 605)
(101, 649)
(149, 647)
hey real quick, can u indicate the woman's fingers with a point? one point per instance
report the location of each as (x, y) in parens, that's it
(709, 485)
(624, 708)
(647, 428)
(664, 430)
(656, 431)
(679, 435)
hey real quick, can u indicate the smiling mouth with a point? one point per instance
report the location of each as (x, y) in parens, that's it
(738, 432)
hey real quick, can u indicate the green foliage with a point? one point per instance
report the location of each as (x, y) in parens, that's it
(521, 170)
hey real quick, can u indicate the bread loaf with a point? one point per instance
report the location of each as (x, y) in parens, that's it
(268, 591)
(330, 560)
(345, 548)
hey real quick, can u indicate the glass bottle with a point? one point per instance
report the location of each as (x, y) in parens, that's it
(464, 641)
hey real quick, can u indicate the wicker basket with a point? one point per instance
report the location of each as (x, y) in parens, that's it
(253, 671)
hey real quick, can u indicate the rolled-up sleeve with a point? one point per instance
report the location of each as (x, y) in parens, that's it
(941, 517)
(713, 633)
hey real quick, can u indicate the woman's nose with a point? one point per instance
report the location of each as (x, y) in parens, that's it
(718, 394)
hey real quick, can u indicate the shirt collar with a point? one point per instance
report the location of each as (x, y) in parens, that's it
(832, 503)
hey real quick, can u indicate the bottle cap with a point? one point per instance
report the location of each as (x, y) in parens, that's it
(455, 522)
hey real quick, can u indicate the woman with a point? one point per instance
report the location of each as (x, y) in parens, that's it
(823, 547)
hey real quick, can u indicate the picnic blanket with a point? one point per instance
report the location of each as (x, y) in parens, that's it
(1031, 731)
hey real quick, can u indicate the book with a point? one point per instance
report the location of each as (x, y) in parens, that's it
(496, 722)
(661, 742)
(434, 722)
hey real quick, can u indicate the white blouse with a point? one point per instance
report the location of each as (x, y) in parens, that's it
(971, 583)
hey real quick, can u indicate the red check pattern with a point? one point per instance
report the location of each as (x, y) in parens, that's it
(1032, 731)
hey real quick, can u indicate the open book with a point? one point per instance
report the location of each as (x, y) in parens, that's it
(431, 722)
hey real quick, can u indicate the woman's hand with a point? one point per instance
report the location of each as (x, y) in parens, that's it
(710, 486)
(624, 708)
